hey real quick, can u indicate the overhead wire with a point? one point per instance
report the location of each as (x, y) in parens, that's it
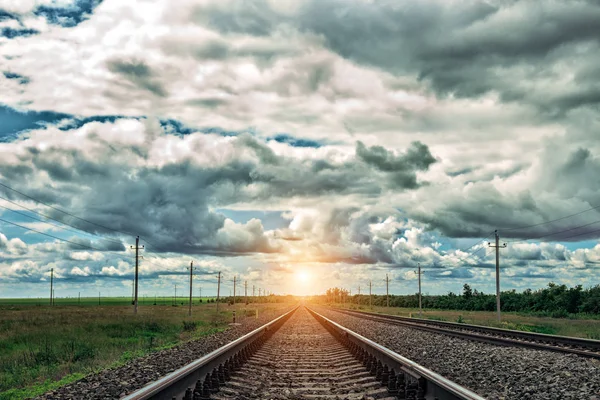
(79, 231)
(61, 239)
(64, 212)
(554, 220)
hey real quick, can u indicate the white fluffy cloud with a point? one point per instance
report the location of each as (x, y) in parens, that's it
(368, 134)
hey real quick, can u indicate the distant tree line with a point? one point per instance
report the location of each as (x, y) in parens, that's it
(554, 300)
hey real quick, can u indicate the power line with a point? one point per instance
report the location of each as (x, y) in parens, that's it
(548, 222)
(579, 234)
(56, 237)
(559, 232)
(476, 243)
(62, 211)
(79, 231)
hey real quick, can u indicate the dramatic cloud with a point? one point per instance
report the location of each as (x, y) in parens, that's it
(345, 137)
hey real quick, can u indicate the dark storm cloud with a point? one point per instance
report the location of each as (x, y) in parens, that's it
(82, 244)
(565, 182)
(173, 204)
(459, 48)
(138, 73)
(402, 168)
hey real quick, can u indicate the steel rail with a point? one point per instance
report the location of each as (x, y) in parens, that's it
(434, 385)
(586, 347)
(175, 384)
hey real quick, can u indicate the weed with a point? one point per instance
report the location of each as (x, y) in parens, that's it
(189, 326)
(460, 319)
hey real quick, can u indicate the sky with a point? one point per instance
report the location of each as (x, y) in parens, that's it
(298, 145)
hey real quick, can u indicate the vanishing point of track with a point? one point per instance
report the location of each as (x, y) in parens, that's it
(303, 355)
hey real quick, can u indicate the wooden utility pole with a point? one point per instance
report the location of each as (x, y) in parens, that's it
(370, 295)
(497, 246)
(191, 279)
(358, 297)
(218, 289)
(234, 290)
(98, 298)
(387, 291)
(253, 293)
(246, 292)
(419, 274)
(200, 294)
(79, 298)
(175, 299)
(51, 286)
(137, 250)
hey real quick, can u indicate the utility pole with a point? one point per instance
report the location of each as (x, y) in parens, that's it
(419, 274)
(497, 247)
(387, 291)
(137, 252)
(200, 293)
(191, 279)
(51, 286)
(358, 298)
(175, 299)
(253, 294)
(98, 298)
(370, 295)
(218, 290)
(234, 290)
(246, 292)
(79, 298)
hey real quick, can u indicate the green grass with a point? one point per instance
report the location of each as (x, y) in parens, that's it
(43, 347)
(576, 325)
(93, 301)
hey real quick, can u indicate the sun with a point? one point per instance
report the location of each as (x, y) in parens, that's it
(302, 276)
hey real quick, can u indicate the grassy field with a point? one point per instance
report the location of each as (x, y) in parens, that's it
(94, 301)
(577, 326)
(42, 346)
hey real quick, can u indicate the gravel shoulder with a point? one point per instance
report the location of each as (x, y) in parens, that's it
(114, 383)
(495, 372)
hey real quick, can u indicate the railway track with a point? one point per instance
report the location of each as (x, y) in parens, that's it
(303, 355)
(503, 337)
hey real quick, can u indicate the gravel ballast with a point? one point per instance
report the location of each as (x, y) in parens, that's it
(495, 372)
(117, 382)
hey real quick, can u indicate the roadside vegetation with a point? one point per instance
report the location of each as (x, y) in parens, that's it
(43, 347)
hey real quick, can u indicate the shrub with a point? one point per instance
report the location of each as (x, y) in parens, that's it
(189, 326)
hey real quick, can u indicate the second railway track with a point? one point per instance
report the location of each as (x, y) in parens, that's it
(504, 337)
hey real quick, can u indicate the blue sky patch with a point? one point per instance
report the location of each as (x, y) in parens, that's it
(175, 127)
(70, 16)
(4, 15)
(295, 142)
(14, 121)
(12, 33)
(11, 75)
(78, 122)
(224, 132)
(270, 219)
